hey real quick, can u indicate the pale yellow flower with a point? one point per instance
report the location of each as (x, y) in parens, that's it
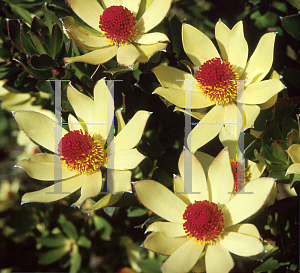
(80, 156)
(214, 81)
(203, 226)
(294, 153)
(117, 28)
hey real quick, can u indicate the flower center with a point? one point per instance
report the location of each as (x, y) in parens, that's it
(117, 23)
(204, 222)
(81, 152)
(247, 176)
(217, 81)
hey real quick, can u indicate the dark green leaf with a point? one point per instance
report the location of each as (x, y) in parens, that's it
(38, 74)
(21, 78)
(53, 255)
(26, 41)
(175, 27)
(292, 25)
(42, 62)
(292, 75)
(14, 32)
(45, 86)
(57, 37)
(261, 120)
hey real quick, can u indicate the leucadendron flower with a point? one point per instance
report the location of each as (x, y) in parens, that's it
(294, 153)
(215, 78)
(81, 156)
(117, 28)
(202, 226)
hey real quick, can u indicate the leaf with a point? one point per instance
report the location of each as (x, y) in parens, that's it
(106, 201)
(38, 74)
(14, 33)
(55, 240)
(261, 120)
(84, 242)
(292, 75)
(175, 28)
(136, 212)
(280, 177)
(295, 3)
(53, 255)
(45, 86)
(103, 225)
(26, 41)
(278, 151)
(51, 19)
(57, 37)
(150, 266)
(75, 260)
(23, 13)
(38, 44)
(269, 264)
(42, 62)
(68, 228)
(292, 137)
(292, 25)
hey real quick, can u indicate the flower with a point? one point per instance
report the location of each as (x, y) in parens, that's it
(117, 30)
(294, 153)
(80, 156)
(203, 225)
(214, 81)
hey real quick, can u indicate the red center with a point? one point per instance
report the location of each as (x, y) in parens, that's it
(81, 152)
(117, 23)
(204, 221)
(217, 80)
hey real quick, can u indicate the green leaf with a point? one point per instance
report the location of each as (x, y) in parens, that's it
(84, 242)
(280, 177)
(269, 264)
(150, 266)
(50, 17)
(295, 3)
(45, 86)
(68, 228)
(292, 137)
(38, 74)
(14, 33)
(175, 28)
(26, 41)
(38, 44)
(57, 37)
(106, 201)
(53, 255)
(278, 151)
(292, 75)
(55, 240)
(292, 25)
(103, 225)
(22, 12)
(42, 62)
(261, 120)
(136, 212)
(75, 260)
(260, 158)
